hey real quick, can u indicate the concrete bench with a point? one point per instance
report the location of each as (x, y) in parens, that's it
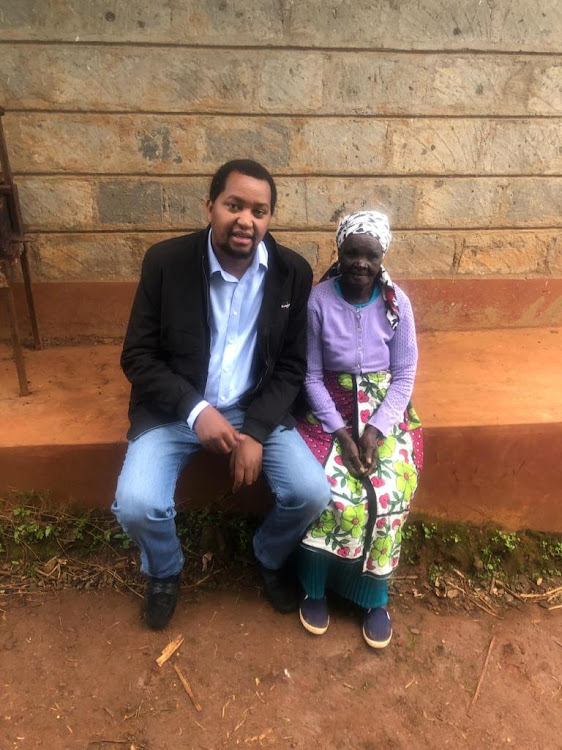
(490, 402)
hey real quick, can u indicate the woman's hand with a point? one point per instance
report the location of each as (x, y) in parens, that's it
(368, 447)
(350, 454)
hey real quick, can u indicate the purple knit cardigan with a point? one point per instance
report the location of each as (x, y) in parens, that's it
(343, 338)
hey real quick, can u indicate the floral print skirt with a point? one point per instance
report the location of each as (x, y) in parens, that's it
(365, 516)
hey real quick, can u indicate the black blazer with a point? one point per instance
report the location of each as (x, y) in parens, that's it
(167, 345)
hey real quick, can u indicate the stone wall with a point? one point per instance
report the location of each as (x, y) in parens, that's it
(444, 113)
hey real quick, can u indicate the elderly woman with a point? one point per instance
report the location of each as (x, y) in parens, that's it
(362, 357)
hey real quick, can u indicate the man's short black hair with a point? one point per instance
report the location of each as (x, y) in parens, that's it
(244, 166)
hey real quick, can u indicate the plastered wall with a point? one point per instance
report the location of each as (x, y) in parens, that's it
(444, 113)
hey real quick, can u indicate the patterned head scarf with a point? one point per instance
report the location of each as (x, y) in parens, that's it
(365, 222)
(375, 224)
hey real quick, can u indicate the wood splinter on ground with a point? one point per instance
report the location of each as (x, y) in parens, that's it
(259, 737)
(479, 685)
(187, 687)
(170, 649)
(232, 698)
(242, 720)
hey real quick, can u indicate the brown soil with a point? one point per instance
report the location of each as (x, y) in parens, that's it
(78, 671)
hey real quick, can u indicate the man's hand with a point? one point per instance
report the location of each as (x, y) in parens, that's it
(368, 447)
(350, 454)
(245, 461)
(215, 432)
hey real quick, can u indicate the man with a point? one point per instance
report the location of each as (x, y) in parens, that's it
(215, 352)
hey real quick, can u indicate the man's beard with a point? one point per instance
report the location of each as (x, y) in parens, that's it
(238, 254)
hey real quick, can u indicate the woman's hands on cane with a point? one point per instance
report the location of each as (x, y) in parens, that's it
(368, 447)
(350, 453)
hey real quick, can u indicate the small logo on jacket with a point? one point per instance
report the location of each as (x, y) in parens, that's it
(285, 305)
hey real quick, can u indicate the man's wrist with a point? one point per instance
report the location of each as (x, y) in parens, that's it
(195, 412)
(251, 438)
(256, 430)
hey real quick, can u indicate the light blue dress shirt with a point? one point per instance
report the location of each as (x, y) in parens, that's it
(235, 307)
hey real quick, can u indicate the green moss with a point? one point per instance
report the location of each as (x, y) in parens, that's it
(482, 552)
(32, 531)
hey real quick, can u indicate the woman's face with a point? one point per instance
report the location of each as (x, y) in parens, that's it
(360, 258)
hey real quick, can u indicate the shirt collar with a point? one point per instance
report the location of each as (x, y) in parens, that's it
(260, 258)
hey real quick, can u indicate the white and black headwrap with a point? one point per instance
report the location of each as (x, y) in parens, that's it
(376, 224)
(365, 222)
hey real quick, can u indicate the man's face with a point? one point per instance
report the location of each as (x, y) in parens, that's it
(240, 216)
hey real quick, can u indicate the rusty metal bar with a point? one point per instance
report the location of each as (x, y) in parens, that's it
(13, 246)
(4, 160)
(9, 304)
(24, 260)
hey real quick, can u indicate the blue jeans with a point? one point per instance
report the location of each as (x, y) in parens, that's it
(144, 500)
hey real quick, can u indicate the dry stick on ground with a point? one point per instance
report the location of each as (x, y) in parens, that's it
(479, 685)
(118, 578)
(243, 719)
(134, 714)
(259, 737)
(187, 687)
(556, 606)
(169, 650)
(233, 698)
(202, 580)
(81, 566)
(544, 595)
(485, 607)
(510, 591)
(474, 596)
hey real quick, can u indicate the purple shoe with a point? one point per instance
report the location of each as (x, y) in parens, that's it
(377, 627)
(314, 615)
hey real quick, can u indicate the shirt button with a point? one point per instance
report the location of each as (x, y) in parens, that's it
(235, 312)
(359, 347)
(223, 398)
(358, 330)
(231, 340)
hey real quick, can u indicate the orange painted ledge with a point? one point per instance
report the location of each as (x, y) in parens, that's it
(490, 402)
(69, 310)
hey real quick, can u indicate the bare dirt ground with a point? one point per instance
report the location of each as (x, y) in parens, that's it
(77, 670)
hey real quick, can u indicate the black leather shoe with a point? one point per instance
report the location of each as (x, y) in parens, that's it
(160, 599)
(280, 591)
